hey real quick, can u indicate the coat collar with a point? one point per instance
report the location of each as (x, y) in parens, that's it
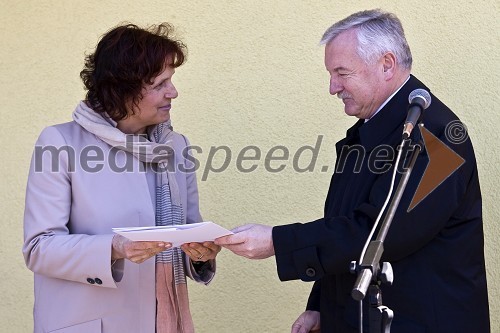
(391, 117)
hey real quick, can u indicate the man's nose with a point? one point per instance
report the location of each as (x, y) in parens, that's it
(335, 86)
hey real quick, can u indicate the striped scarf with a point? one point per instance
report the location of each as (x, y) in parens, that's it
(168, 206)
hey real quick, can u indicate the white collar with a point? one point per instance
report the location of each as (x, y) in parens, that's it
(388, 99)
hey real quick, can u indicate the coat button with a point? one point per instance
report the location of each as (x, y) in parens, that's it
(98, 281)
(90, 280)
(310, 272)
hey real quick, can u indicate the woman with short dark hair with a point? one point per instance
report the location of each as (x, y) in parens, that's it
(117, 164)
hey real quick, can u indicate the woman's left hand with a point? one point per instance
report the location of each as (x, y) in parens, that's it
(201, 251)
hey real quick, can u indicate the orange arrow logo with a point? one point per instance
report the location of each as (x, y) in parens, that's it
(443, 162)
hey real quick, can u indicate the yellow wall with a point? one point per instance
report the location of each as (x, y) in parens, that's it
(254, 76)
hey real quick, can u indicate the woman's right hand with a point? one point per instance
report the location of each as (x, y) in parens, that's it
(137, 252)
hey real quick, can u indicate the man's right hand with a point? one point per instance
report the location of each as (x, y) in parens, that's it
(308, 322)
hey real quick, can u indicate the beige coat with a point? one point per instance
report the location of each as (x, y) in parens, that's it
(67, 233)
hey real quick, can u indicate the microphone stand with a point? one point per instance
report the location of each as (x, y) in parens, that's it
(371, 274)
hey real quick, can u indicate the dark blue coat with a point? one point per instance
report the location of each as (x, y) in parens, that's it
(436, 249)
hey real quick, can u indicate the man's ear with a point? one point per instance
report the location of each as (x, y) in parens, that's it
(389, 65)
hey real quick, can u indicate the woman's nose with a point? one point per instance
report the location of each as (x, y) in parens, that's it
(171, 92)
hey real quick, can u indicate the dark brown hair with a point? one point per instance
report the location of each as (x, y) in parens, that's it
(125, 58)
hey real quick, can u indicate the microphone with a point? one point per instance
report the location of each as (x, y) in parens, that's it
(419, 100)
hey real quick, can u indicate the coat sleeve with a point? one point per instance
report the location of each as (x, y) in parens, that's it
(50, 248)
(312, 250)
(201, 273)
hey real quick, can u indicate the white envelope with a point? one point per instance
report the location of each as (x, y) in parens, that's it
(177, 235)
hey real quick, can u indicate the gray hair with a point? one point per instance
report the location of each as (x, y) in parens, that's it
(378, 32)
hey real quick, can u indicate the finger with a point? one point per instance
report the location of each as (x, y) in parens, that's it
(222, 240)
(214, 249)
(298, 328)
(187, 249)
(142, 245)
(231, 239)
(138, 259)
(236, 249)
(162, 245)
(198, 250)
(208, 251)
(206, 248)
(212, 246)
(150, 251)
(193, 253)
(197, 246)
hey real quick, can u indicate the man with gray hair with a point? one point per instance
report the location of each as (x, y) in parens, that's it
(435, 248)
